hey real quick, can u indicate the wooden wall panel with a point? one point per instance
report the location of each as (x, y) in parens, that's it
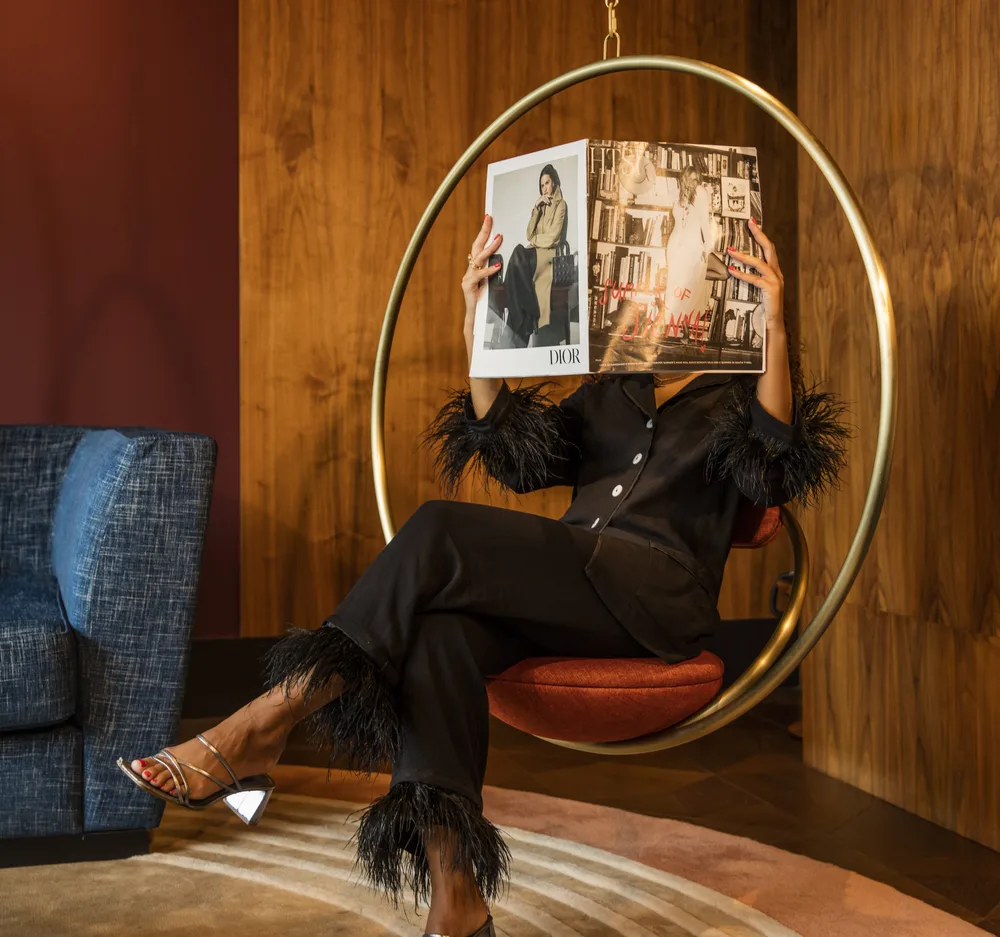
(348, 124)
(898, 698)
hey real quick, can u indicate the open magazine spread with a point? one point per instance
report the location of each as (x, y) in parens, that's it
(614, 260)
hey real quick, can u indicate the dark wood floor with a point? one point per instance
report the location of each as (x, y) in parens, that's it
(749, 780)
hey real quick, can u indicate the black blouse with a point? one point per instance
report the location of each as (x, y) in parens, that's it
(661, 487)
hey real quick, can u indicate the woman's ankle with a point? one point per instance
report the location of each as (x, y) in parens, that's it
(460, 922)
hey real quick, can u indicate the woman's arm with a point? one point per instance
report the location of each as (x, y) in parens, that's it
(517, 437)
(484, 390)
(774, 386)
(776, 441)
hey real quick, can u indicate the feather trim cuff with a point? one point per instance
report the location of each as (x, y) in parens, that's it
(360, 726)
(516, 444)
(773, 462)
(393, 830)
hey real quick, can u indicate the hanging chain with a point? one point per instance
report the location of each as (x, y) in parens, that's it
(612, 29)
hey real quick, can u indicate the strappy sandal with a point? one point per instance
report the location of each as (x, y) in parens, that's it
(485, 931)
(246, 797)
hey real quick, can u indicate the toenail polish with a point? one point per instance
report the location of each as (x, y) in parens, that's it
(147, 774)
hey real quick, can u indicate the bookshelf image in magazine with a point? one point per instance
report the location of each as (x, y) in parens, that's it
(614, 260)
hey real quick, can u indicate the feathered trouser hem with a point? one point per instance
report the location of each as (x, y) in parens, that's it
(394, 831)
(360, 727)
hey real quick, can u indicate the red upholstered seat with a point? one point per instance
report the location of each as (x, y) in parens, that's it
(585, 700)
(756, 526)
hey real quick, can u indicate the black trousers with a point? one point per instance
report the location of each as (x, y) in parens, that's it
(461, 593)
(519, 281)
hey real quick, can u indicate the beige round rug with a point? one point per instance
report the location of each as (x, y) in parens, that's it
(578, 871)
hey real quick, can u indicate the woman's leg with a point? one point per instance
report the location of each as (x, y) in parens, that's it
(251, 739)
(523, 574)
(429, 833)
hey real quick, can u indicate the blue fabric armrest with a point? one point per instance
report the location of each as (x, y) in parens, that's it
(33, 460)
(127, 542)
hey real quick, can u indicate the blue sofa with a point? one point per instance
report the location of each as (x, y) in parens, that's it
(101, 536)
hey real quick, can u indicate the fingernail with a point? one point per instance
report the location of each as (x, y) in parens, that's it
(495, 267)
(485, 217)
(731, 267)
(754, 223)
(496, 237)
(732, 250)
(147, 774)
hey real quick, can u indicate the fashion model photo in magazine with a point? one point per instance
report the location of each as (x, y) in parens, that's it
(661, 218)
(529, 320)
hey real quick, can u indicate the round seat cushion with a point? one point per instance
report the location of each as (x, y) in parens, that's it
(586, 700)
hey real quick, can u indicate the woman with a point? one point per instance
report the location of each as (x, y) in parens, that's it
(396, 675)
(529, 271)
(691, 237)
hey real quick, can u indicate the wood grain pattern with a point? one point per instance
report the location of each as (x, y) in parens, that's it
(898, 699)
(348, 123)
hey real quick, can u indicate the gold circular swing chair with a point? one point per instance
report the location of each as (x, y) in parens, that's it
(656, 705)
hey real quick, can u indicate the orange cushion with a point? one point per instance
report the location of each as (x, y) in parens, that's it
(585, 700)
(756, 526)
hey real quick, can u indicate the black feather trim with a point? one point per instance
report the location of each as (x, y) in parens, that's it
(519, 452)
(392, 832)
(805, 470)
(360, 726)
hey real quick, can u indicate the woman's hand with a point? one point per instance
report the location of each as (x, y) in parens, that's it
(478, 273)
(774, 386)
(543, 200)
(770, 279)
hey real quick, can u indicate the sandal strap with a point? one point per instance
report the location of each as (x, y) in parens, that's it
(177, 769)
(225, 764)
(229, 788)
(181, 790)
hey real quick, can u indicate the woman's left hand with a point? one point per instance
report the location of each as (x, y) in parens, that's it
(770, 279)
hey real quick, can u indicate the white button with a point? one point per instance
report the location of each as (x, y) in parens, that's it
(596, 522)
(649, 424)
(637, 459)
(617, 490)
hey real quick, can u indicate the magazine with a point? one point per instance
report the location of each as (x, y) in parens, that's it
(614, 260)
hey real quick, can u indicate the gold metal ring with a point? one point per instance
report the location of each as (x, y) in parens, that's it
(710, 719)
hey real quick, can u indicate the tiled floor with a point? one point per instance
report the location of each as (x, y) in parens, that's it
(749, 780)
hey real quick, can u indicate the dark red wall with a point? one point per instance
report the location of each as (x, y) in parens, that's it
(119, 253)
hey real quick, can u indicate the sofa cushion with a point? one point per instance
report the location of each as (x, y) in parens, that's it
(37, 654)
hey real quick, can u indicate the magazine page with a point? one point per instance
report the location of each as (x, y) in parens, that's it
(660, 218)
(528, 322)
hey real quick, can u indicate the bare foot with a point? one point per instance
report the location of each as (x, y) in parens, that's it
(251, 740)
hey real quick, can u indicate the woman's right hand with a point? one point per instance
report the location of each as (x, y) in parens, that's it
(484, 390)
(478, 273)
